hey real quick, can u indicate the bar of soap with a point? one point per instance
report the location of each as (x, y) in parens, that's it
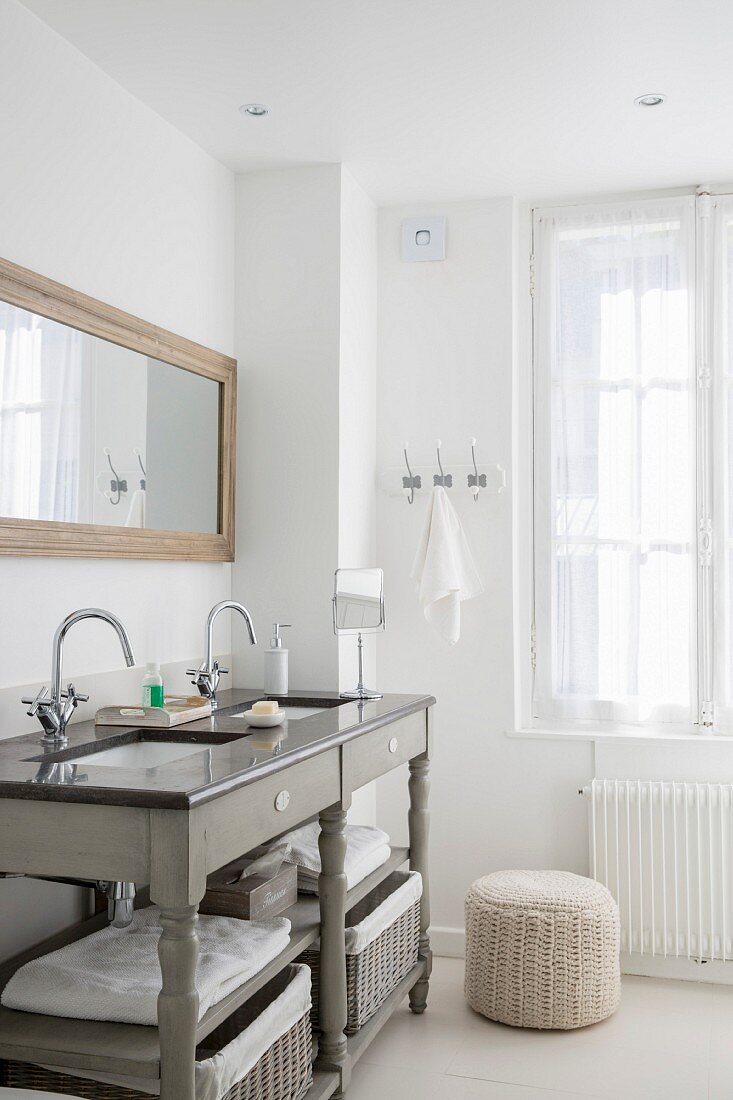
(265, 706)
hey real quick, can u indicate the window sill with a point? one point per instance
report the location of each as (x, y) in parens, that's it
(613, 737)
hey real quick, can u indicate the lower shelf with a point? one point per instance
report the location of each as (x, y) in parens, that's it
(358, 1043)
(325, 1084)
(132, 1050)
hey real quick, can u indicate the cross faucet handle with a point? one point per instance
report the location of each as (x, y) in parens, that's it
(33, 703)
(74, 695)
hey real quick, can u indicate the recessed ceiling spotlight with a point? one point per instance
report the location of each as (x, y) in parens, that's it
(651, 99)
(256, 110)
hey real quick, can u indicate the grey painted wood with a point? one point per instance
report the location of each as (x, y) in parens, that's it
(238, 821)
(419, 826)
(178, 1003)
(383, 750)
(332, 1048)
(177, 884)
(325, 1084)
(177, 858)
(360, 1042)
(50, 838)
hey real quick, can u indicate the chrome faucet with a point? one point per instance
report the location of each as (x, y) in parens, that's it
(55, 710)
(206, 676)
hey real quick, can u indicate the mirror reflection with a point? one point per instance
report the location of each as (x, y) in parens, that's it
(95, 433)
(358, 601)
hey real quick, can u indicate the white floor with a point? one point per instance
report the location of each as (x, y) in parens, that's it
(668, 1040)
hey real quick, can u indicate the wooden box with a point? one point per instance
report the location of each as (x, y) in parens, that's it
(253, 898)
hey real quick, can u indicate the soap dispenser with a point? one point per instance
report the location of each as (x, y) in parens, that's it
(276, 663)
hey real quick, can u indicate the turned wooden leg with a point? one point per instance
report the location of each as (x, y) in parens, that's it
(178, 1002)
(332, 1052)
(419, 824)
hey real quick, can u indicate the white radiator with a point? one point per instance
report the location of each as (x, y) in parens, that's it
(664, 850)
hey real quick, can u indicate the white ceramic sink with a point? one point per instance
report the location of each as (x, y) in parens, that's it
(141, 754)
(293, 712)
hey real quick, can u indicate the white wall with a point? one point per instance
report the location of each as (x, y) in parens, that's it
(181, 482)
(446, 348)
(99, 193)
(357, 405)
(306, 345)
(287, 346)
(357, 540)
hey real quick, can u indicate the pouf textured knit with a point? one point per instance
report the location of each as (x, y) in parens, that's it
(542, 949)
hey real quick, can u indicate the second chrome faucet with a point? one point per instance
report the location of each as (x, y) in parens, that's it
(54, 710)
(206, 676)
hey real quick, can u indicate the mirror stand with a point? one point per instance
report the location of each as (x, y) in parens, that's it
(360, 692)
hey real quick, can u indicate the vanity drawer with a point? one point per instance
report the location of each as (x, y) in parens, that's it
(256, 813)
(375, 753)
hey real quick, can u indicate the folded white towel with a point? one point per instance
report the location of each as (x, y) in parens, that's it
(114, 974)
(444, 568)
(356, 870)
(366, 849)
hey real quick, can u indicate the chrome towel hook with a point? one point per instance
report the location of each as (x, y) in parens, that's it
(116, 485)
(476, 481)
(410, 483)
(143, 479)
(444, 479)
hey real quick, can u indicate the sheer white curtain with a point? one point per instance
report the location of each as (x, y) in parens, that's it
(615, 558)
(41, 366)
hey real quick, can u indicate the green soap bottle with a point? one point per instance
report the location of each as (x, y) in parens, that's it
(153, 686)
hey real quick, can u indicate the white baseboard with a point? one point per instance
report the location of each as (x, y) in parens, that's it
(684, 970)
(448, 942)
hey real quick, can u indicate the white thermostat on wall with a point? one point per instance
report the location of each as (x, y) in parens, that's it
(423, 239)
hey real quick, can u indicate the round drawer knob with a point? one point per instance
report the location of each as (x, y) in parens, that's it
(393, 744)
(282, 801)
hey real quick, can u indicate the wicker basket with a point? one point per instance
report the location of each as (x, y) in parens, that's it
(283, 1072)
(373, 973)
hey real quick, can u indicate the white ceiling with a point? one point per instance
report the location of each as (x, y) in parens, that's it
(433, 99)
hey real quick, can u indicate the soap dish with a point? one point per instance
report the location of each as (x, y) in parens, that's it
(263, 721)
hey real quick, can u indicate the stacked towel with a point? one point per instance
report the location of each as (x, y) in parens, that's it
(115, 974)
(366, 849)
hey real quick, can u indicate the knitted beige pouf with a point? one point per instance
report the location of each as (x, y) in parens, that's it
(542, 949)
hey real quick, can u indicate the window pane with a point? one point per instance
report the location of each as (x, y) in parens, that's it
(615, 344)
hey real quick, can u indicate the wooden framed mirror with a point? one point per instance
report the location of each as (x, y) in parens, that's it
(117, 438)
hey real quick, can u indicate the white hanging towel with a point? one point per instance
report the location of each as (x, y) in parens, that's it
(444, 568)
(136, 514)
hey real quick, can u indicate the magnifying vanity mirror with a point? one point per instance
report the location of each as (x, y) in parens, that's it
(358, 608)
(116, 437)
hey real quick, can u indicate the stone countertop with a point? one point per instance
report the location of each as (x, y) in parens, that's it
(232, 753)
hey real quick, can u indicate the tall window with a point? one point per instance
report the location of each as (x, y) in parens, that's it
(633, 382)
